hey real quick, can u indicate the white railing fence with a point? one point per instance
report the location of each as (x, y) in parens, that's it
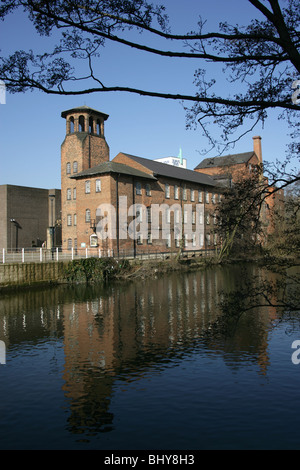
(42, 255)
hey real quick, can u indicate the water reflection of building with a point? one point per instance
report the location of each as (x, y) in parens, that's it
(120, 332)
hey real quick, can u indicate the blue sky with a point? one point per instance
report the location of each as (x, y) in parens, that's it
(32, 129)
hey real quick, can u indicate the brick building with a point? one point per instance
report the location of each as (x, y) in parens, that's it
(132, 187)
(27, 216)
(135, 204)
(229, 169)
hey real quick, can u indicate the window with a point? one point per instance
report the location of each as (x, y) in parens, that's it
(71, 124)
(148, 190)
(149, 239)
(69, 243)
(207, 196)
(87, 215)
(140, 240)
(149, 214)
(200, 218)
(98, 186)
(75, 167)
(138, 188)
(193, 217)
(74, 193)
(201, 239)
(93, 240)
(81, 123)
(75, 219)
(215, 219)
(208, 238)
(177, 216)
(184, 193)
(69, 194)
(185, 216)
(168, 242)
(139, 213)
(68, 168)
(98, 127)
(167, 191)
(200, 196)
(192, 195)
(87, 187)
(168, 216)
(194, 239)
(176, 192)
(213, 198)
(91, 125)
(69, 220)
(207, 219)
(177, 241)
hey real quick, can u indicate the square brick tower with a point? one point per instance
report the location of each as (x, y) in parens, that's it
(83, 147)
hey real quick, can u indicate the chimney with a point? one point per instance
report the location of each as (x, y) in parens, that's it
(257, 147)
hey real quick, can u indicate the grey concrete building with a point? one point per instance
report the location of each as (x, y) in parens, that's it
(27, 216)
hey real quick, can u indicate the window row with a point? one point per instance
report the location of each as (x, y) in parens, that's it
(71, 191)
(97, 186)
(71, 220)
(177, 214)
(92, 126)
(70, 244)
(75, 167)
(196, 241)
(202, 196)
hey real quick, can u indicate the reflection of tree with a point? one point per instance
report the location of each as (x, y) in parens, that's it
(122, 332)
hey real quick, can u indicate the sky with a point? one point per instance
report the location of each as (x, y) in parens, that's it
(32, 130)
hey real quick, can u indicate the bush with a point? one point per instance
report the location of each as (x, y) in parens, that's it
(94, 269)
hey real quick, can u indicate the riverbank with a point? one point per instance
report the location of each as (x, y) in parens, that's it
(16, 276)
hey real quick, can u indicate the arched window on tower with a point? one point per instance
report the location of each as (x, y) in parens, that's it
(91, 125)
(71, 124)
(81, 123)
(98, 127)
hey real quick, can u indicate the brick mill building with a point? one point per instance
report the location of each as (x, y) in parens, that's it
(91, 183)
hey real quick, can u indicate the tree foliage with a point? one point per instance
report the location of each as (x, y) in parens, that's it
(240, 219)
(261, 58)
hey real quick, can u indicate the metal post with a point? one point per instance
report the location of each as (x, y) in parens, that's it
(23, 255)
(3, 256)
(56, 253)
(72, 253)
(41, 255)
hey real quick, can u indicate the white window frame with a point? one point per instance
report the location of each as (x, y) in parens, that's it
(98, 186)
(87, 187)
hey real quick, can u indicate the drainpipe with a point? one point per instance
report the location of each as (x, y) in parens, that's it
(133, 202)
(117, 208)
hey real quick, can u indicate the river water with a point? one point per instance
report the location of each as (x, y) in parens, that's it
(138, 366)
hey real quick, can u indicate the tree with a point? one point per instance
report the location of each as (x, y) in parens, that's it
(262, 58)
(239, 215)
